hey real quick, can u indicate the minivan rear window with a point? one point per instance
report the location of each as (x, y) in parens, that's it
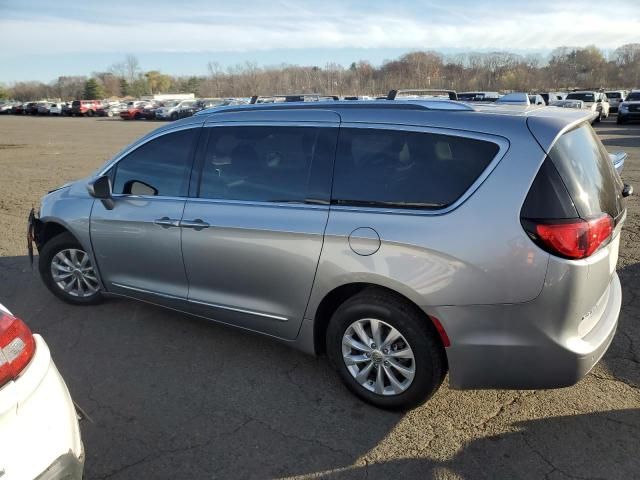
(404, 169)
(588, 173)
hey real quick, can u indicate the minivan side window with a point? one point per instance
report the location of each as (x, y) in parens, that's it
(159, 167)
(402, 169)
(267, 163)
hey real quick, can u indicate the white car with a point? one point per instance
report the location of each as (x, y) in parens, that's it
(39, 430)
(55, 109)
(616, 97)
(597, 102)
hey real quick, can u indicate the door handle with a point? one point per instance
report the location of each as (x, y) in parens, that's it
(197, 224)
(167, 222)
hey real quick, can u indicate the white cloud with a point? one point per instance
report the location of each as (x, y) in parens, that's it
(297, 28)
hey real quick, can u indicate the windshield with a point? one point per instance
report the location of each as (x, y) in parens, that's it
(171, 103)
(613, 95)
(586, 97)
(633, 96)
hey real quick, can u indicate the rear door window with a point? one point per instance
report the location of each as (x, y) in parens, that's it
(404, 169)
(268, 163)
(588, 172)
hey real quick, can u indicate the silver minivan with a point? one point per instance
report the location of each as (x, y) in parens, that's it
(403, 239)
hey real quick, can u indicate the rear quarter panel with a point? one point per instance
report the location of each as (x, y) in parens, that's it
(475, 254)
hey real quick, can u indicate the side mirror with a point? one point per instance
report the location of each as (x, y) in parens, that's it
(100, 188)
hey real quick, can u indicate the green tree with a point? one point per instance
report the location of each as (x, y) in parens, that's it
(125, 90)
(4, 93)
(193, 84)
(93, 90)
(158, 82)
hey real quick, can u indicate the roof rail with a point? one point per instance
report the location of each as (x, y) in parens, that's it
(296, 97)
(394, 93)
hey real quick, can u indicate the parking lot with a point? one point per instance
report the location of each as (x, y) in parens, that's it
(171, 396)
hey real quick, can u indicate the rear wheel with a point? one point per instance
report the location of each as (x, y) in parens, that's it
(174, 116)
(385, 350)
(68, 272)
(89, 113)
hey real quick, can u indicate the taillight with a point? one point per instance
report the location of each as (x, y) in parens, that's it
(17, 347)
(573, 239)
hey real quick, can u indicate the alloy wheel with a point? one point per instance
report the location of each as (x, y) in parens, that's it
(378, 357)
(73, 272)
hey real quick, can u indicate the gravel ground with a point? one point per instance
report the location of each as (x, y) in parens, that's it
(171, 396)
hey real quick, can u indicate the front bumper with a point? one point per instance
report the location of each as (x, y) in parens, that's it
(629, 116)
(505, 346)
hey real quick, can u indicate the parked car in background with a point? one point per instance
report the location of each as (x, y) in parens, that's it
(113, 110)
(56, 108)
(549, 97)
(536, 99)
(201, 105)
(478, 96)
(87, 108)
(43, 108)
(5, 108)
(67, 109)
(629, 110)
(149, 111)
(596, 102)
(18, 108)
(134, 110)
(363, 240)
(38, 422)
(515, 98)
(615, 97)
(619, 159)
(31, 108)
(171, 110)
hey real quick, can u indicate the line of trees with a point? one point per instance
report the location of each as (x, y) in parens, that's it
(565, 67)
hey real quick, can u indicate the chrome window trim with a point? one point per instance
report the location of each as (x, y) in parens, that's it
(198, 302)
(143, 141)
(503, 147)
(306, 206)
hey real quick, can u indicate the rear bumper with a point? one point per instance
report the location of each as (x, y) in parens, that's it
(66, 467)
(38, 416)
(512, 346)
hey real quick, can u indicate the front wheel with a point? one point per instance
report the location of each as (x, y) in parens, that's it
(385, 350)
(68, 272)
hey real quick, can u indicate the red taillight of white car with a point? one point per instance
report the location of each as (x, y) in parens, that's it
(17, 347)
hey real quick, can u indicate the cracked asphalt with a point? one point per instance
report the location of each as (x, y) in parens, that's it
(170, 396)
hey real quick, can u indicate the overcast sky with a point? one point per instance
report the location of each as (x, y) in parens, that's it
(41, 39)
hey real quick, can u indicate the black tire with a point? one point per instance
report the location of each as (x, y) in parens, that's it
(48, 252)
(173, 117)
(90, 113)
(137, 116)
(415, 327)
